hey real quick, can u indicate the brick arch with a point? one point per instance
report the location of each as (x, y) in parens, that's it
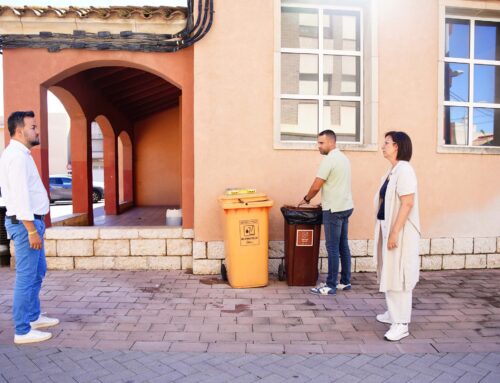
(82, 189)
(73, 70)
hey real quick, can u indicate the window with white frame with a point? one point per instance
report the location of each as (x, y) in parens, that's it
(471, 81)
(321, 69)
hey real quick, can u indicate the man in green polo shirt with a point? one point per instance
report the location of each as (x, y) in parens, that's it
(334, 181)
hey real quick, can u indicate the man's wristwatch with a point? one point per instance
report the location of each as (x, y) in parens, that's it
(307, 200)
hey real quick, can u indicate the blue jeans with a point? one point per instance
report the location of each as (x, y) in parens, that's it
(336, 228)
(31, 267)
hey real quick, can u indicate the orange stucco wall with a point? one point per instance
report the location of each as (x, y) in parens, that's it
(157, 159)
(460, 195)
(234, 122)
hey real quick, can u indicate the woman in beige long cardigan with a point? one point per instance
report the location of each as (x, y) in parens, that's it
(397, 235)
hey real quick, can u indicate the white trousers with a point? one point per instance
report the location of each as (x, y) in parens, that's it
(398, 302)
(399, 305)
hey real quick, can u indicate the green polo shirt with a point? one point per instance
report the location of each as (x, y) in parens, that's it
(336, 193)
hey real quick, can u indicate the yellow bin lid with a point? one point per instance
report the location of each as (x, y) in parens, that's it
(242, 201)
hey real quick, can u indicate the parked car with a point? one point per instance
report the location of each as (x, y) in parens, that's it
(61, 189)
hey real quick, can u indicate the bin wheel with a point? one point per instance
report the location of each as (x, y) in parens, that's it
(223, 272)
(281, 272)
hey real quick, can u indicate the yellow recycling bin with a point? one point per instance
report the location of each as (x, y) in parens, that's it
(246, 238)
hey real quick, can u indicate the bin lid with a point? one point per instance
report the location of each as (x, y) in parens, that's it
(234, 191)
(304, 215)
(242, 201)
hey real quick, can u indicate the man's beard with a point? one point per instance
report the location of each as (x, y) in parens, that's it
(31, 142)
(34, 142)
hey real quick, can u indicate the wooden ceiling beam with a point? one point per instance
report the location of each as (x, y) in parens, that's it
(133, 86)
(147, 98)
(147, 108)
(102, 72)
(158, 101)
(140, 116)
(158, 87)
(119, 78)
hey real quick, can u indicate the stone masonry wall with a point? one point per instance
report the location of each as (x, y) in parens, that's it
(173, 248)
(119, 248)
(435, 254)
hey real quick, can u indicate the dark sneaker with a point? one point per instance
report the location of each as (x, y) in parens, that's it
(323, 290)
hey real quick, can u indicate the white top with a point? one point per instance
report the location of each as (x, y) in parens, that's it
(336, 194)
(22, 189)
(406, 183)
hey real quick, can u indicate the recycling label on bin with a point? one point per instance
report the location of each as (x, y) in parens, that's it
(304, 238)
(249, 232)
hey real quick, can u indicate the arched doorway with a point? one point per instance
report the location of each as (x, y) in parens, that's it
(144, 109)
(97, 83)
(82, 203)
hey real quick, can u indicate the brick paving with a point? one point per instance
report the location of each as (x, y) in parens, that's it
(58, 364)
(136, 326)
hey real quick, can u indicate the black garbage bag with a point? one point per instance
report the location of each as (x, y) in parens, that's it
(302, 215)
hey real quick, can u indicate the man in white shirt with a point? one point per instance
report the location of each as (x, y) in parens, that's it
(27, 203)
(334, 181)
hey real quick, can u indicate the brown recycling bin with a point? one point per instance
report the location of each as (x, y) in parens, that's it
(302, 235)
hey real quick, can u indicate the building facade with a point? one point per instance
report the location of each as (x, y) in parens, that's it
(254, 93)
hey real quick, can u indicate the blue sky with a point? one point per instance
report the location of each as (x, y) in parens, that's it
(53, 103)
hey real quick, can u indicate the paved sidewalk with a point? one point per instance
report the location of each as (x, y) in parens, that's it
(35, 364)
(454, 311)
(126, 326)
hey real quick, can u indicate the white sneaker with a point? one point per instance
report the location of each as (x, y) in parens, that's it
(44, 321)
(397, 331)
(384, 318)
(341, 286)
(33, 336)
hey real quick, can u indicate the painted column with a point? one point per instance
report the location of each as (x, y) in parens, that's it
(110, 166)
(187, 156)
(128, 175)
(81, 164)
(110, 176)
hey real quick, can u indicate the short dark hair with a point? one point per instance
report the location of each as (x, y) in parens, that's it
(329, 133)
(403, 142)
(16, 120)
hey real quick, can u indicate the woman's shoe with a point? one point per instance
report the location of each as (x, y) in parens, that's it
(397, 331)
(384, 318)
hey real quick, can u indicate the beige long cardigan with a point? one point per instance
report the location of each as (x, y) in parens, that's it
(398, 269)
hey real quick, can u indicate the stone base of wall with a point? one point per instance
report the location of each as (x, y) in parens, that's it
(119, 248)
(173, 248)
(435, 254)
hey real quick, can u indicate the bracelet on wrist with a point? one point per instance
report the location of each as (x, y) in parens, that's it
(307, 200)
(32, 232)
